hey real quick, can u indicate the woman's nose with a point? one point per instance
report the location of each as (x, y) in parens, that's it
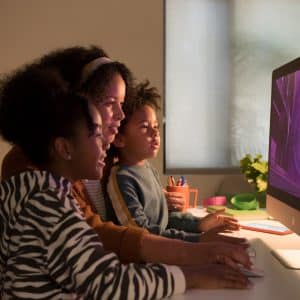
(119, 114)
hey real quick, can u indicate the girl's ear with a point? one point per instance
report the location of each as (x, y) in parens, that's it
(119, 141)
(62, 148)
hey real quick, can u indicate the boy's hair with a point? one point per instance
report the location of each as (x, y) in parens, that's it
(142, 94)
(36, 107)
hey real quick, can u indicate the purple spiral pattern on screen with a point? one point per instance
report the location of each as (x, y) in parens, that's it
(284, 156)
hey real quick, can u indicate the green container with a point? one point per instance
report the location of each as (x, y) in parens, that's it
(245, 201)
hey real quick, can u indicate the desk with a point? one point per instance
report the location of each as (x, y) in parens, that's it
(279, 283)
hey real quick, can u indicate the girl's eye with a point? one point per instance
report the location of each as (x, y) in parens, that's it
(98, 133)
(98, 136)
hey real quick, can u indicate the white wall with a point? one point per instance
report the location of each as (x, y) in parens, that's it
(130, 31)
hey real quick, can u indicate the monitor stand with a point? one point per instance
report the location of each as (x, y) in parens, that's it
(290, 258)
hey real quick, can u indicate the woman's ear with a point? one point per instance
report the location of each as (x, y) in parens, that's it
(119, 141)
(62, 148)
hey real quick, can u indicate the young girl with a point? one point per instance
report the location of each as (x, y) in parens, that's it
(134, 187)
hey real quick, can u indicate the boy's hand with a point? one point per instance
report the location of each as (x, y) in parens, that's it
(217, 221)
(175, 200)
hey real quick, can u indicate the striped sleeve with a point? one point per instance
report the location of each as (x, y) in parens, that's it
(78, 263)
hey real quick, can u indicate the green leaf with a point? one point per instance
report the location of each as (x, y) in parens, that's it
(262, 167)
(261, 184)
(255, 170)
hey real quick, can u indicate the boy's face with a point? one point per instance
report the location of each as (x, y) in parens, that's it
(110, 108)
(141, 139)
(87, 152)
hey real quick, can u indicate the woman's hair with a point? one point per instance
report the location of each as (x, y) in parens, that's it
(36, 106)
(70, 62)
(31, 96)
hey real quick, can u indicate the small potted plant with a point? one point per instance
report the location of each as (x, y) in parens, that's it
(255, 169)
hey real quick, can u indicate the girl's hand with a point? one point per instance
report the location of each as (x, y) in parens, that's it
(175, 200)
(217, 221)
(215, 276)
(232, 255)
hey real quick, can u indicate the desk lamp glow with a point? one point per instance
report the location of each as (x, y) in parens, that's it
(283, 194)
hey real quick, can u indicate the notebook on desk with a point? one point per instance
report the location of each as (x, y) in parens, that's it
(257, 214)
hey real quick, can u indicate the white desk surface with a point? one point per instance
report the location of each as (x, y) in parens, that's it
(279, 283)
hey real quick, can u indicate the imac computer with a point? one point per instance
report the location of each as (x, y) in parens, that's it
(283, 193)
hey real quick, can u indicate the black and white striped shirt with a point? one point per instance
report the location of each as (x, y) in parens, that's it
(48, 251)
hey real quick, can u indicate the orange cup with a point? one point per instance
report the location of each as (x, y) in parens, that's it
(186, 191)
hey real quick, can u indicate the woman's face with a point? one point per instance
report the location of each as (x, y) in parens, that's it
(110, 108)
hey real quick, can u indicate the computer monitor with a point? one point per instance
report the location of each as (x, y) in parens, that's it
(283, 193)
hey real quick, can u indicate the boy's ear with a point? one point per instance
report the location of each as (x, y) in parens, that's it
(119, 141)
(62, 148)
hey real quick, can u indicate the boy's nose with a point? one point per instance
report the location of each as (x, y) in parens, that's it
(155, 132)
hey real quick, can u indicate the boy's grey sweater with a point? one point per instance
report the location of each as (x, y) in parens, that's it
(140, 189)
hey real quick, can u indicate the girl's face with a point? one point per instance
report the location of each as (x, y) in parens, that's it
(87, 152)
(110, 108)
(140, 139)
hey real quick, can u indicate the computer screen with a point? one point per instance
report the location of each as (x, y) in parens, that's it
(283, 194)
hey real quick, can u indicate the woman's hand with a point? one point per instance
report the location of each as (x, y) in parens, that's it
(218, 222)
(215, 276)
(214, 235)
(175, 200)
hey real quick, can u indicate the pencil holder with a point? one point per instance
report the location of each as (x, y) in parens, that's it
(190, 195)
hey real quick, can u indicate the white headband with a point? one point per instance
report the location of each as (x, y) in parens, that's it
(93, 65)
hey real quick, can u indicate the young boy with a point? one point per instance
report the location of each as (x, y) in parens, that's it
(134, 187)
